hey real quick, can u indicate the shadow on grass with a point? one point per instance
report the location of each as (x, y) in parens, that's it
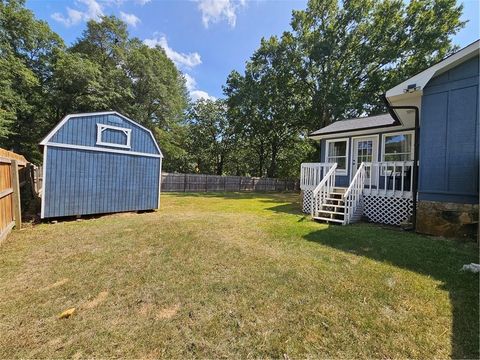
(438, 258)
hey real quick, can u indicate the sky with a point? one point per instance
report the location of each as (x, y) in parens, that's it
(206, 39)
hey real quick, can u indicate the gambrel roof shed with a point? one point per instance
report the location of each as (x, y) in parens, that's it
(97, 163)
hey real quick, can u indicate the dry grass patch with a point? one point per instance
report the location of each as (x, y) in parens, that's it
(234, 275)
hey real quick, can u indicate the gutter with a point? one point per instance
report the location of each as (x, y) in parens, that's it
(391, 109)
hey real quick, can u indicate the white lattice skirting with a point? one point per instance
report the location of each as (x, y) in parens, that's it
(379, 209)
(387, 210)
(307, 201)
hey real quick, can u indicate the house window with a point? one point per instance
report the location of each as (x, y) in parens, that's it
(113, 136)
(337, 152)
(398, 147)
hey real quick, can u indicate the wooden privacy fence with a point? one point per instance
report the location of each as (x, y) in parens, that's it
(202, 183)
(14, 173)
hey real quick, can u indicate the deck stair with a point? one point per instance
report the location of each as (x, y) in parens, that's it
(333, 208)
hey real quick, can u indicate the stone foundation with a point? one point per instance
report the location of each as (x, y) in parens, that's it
(447, 219)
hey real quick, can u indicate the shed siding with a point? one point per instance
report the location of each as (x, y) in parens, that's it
(89, 182)
(83, 131)
(449, 139)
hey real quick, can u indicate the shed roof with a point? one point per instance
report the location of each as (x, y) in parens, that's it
(46, 140)
(361, 123)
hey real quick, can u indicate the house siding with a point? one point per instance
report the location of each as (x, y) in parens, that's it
(344, 180)
(449, 139)
(80, 181)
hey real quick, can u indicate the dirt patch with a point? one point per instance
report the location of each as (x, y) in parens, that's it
(100, 298)
(167, 313)
(55, 284)
(159, 314)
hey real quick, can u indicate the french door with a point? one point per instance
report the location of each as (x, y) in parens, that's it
(365, 150)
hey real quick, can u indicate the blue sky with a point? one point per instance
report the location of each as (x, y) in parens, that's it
(205, 38)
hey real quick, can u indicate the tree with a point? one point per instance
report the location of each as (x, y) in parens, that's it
(211, 136)
(266, 109)
(335, 63)
(28, 52)
(107, 70)
(353, 51)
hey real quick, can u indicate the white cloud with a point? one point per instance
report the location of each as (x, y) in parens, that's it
(130, 19)
(199, 94)
(93, 11)
(142, 2)
(182, 60)
(195, 94)
(190, 82)
(214, 11)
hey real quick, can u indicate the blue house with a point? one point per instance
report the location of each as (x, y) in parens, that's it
(418, 163)
(99, 163)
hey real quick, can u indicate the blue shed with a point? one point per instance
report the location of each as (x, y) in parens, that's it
(97, 163)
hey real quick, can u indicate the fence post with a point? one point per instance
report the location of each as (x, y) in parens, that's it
(17, 210)
(185, 183)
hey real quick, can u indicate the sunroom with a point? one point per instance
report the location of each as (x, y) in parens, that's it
(365, 170)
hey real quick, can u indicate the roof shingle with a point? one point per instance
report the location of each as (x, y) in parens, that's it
(356, 124)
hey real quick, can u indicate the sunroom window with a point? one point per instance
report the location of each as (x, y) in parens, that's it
(398, 147)
(337, 152)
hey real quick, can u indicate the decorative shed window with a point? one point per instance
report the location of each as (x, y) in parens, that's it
(114, 136)
(337, 152)
(398, 147)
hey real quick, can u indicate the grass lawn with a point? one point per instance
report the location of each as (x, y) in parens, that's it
(234, 275)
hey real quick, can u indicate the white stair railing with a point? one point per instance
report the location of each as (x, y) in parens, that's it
(323, 189)
(312, 173)
(354, 193)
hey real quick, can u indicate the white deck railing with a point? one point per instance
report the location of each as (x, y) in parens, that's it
(354, 193)
(323, 190)
(389, 178)
(312, 173)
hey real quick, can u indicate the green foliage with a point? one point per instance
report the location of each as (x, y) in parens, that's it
(211, 135)
(352, 53)
(28, 52)
(335, 62)
(42, 81)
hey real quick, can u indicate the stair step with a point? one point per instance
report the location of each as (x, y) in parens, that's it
(334, 205)
(333, 199)
(336, 193)
(331, 212)
(328, 219)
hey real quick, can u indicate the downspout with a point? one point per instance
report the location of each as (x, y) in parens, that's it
(391, 109)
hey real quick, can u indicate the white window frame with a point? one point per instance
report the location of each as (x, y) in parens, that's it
(102, 127)
(412, 145)
(347, 154)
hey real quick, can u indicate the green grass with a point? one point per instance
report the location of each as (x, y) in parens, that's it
(234, 275)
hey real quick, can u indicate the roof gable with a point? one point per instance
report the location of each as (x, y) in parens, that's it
(416, 83)
(81, 130)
